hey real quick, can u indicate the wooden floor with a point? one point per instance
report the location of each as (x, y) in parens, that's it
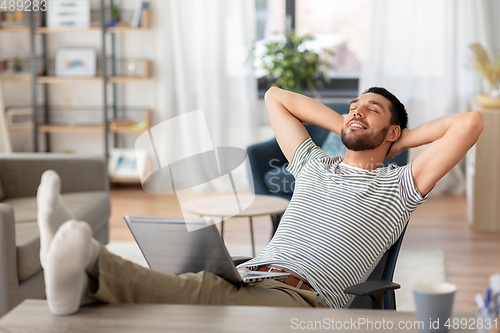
(440, 223)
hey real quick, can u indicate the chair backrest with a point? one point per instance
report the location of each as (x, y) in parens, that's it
(383, 271)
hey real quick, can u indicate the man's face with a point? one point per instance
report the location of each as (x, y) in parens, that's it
(367, 124)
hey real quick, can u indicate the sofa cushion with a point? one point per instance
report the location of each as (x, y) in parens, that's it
(92, 207)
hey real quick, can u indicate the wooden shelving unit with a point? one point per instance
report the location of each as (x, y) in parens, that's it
(21, 128)
(110, 126)
(108, 76)
(45, 30)
(86, 128)
(54, 79)
(15, 77)
(69, 129)
(15, 29)
(146, 75)
(122, 28)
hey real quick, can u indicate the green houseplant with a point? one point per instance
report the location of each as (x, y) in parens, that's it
(18, 64)
(291, 66)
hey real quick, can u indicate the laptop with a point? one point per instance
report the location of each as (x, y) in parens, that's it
(168, 247)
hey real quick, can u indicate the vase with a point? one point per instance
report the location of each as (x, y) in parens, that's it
(487, 101)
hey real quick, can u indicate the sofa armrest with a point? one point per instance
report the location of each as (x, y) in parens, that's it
(9, 285)
(20, 174)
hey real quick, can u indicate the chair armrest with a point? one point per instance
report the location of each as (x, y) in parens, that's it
(376, 289)
(372, 287)
(20, 173)
(238, 260)
(263, 157)
(9, 282)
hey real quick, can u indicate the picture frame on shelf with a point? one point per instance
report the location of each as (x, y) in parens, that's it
(127, 163)
(76, 62)
(69, 14)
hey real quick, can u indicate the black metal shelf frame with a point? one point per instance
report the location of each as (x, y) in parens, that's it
(45, 90)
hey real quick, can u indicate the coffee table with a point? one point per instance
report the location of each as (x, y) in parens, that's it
(34, 316)
(222, 206)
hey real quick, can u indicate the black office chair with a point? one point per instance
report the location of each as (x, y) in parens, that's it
(379, 286)
(267, 156)
(378, 290)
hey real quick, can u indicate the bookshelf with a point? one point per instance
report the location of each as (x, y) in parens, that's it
(15, 29)
(15, 77)
(40, 79)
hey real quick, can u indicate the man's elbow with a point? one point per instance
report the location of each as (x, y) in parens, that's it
(475, 122)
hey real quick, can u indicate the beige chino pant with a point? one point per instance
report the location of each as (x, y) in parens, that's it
(121, 281)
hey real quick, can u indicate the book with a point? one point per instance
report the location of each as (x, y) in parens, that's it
(136, 18)
(144, 8)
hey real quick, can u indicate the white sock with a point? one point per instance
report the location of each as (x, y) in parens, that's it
(52, 212)
(71, 253)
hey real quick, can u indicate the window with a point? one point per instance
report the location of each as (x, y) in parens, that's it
(337, 25)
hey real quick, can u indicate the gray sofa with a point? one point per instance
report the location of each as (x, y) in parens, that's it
(84, 188)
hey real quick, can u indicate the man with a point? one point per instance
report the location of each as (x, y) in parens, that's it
(344, 214)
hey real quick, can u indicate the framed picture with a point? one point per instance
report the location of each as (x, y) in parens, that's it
(127, 163)
(69, 14)
(76, 62)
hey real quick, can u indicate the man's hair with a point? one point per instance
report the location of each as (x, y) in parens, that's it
(399, 116)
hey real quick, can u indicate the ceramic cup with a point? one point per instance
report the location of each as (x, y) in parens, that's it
(434, 302)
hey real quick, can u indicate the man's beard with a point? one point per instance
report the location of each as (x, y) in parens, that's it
(363, 142)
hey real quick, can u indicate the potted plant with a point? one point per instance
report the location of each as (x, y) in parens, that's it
(489, 67)
(115, 13)
(290, 65)
(17, 64)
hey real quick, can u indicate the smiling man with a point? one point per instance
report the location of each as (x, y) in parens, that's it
(344, 213)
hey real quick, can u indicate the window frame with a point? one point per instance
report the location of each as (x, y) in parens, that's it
(338, 87)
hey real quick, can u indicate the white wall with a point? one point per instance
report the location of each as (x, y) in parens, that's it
(495, 24)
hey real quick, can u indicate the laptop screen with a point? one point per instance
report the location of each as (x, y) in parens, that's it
(169, 248)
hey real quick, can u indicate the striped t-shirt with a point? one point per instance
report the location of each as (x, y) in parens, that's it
(340, 221)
